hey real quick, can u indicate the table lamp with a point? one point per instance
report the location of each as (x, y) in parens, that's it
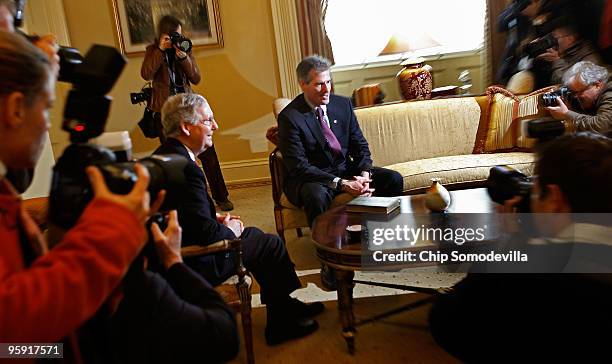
(415, 78)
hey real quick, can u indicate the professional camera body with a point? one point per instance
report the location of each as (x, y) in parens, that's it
(543, 129)
(550, 98)
(181, 42)
(85, 115)
(505, 182)
(143, 96)
(541, 45)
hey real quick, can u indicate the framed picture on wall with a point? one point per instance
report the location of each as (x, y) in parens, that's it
(136, 22)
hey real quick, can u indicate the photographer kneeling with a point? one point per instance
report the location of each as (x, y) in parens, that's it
(46, 295)
(589, 84)
(542, 317)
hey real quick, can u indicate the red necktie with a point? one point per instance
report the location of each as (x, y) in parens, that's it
(328, 133)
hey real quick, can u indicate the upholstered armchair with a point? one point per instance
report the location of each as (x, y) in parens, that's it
(236, 291)
(286, 215)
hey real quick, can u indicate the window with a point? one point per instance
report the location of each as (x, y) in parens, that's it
(360, 29)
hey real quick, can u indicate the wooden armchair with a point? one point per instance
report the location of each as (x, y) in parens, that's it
(236, 291)
(286, 215)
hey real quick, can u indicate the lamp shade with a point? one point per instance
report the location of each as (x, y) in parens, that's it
(400, 43)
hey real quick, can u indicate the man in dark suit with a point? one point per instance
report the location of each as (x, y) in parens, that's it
(189, 125)
(323, 148)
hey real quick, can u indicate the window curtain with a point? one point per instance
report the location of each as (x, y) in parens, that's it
(494, 41)
(311, 24)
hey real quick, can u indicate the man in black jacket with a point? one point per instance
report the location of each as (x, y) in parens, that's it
(189, 125)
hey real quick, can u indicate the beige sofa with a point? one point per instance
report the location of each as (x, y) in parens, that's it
(455, 139)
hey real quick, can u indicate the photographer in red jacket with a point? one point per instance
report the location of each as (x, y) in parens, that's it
(46, 295)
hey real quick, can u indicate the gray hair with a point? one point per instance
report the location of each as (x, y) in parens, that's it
(24, 67)
(181, 108)
(315, 62)
(587, 72)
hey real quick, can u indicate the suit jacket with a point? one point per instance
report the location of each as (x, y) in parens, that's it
(197, 217)
(196, 211)
(306, 154)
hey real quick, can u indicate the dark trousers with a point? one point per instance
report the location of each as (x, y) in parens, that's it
(316, 197)
(264, 255)
(212, 170)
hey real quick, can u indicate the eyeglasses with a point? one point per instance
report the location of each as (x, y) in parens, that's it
(207, 122)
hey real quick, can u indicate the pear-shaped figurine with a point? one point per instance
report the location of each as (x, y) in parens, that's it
(437, 197)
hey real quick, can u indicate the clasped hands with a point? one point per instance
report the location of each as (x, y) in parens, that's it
(233, 222)
(358, 186)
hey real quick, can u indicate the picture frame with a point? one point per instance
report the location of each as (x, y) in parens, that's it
(136, 22)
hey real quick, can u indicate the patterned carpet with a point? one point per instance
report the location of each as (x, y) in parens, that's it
(401, 338)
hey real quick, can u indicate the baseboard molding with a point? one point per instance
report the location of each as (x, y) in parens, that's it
(234, 185)
(246, 173)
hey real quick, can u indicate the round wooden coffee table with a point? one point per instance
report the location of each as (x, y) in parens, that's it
(334, 249)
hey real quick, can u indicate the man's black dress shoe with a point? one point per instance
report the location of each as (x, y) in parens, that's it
(289, 329)
(305, 310)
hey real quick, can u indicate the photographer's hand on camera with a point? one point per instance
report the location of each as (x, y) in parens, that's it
(48, 44)
(550, 55)
(558, 112)
(180, 55)
(137, 200)
(168, 243)
(508, 210)
(164, 42)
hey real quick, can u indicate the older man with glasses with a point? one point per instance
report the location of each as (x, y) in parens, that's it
(590, 86)
(189, 124)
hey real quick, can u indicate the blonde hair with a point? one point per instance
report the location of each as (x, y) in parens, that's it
(24, 68)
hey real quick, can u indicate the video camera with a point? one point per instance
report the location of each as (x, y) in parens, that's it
(541, 45)
(85, 115)
(505, 182)
(181, 42)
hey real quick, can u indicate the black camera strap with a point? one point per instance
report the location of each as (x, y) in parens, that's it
(171, 64)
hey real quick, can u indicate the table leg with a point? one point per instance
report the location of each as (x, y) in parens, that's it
(345, 306)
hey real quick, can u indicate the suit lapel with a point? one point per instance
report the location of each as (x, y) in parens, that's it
(314, 126)
(333, 116)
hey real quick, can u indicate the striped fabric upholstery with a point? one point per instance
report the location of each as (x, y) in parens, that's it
(500, 134)
(507, 114)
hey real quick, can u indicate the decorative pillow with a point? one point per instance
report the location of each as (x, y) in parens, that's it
(501, 129)
(494, 131)
(529, 109)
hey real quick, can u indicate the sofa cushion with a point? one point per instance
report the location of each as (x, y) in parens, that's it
(502, 111)
(459, 169)
(501, 128)
(415, 130)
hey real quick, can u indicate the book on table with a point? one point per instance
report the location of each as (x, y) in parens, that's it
(375, 205)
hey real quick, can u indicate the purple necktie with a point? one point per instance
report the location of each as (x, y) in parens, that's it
(328, 133)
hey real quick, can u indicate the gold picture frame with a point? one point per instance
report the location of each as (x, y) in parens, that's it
(136, 22)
